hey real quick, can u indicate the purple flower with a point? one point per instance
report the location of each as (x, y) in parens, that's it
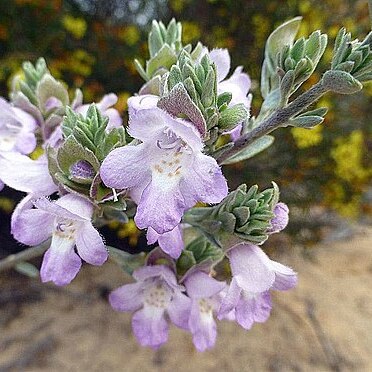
(167, 171)
(141, 102)
(254, 274)
(24, 174)
(238, 84)
(280, 221)
(203, 291)
(16, 129)
(68, 221)
(104, 106)
(155, 295)
(170, 242)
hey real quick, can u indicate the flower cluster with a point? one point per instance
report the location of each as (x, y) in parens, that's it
(163, 172)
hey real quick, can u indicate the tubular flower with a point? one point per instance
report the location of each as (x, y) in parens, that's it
(155, 294)
(168, 170)
(203, 291)
(254, 274)
(68, 222)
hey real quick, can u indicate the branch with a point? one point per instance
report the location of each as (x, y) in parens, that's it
(277, 119)
(29, 253)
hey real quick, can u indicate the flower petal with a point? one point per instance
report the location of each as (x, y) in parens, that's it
(69, 206)
(204, 182)
(221, 58)
(285, 277)
(141, 102)
(90, 245)
(126, 167)
(31, 226)
(251, 267)
(179, 310)
(253, 309)
(32, 176)
(60, 264)
(203, 328)
(162, 271)
(201, 285)
(170, 242)
(238, 85)
(150, 124)
(161, 206)
(127, 297)
(150, 327)
(280, 221)
(230, 300)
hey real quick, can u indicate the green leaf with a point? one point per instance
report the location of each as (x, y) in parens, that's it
(27, 269)
(252, 150)
(232, 116)
(163, 59)
(341, 82)
(306, 121)
(126, 261)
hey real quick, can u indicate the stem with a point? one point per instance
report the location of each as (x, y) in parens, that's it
(277, 119)
(29, 253)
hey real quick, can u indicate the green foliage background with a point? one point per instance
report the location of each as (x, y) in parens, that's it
(92, 44)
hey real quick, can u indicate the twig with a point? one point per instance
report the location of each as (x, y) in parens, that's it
(277, 119)
(29, 253)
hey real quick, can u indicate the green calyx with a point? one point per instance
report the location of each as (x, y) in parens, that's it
(75, 164)
(199, 254)
(244, 214)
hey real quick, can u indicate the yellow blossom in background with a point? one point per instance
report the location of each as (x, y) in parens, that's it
(191, 32)
(130, 35)
(335, 197)
(6, 204)
(127, 230)
(305, 138)
(348, 156)
(77, 27)
(122, 105)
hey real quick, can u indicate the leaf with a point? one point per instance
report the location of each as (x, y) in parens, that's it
(252, 150)
(282, 36)
(341, 82)
(27, 269)
(232, 116)
(164, 59)
(126, 261)
(179, 102)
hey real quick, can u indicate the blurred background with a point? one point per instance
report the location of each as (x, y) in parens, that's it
(325, 174)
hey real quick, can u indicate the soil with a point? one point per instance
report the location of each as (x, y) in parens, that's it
(325, 324)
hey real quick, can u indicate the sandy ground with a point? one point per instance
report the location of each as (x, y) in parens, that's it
(323, 325)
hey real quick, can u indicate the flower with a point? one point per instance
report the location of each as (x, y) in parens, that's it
(170, 242)
(141, 102)
(254, 274)
(68, 221)
(238, 84)
(155, 294)
(168, 170)
(203, 291)
(280, 221)
(16, 129)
